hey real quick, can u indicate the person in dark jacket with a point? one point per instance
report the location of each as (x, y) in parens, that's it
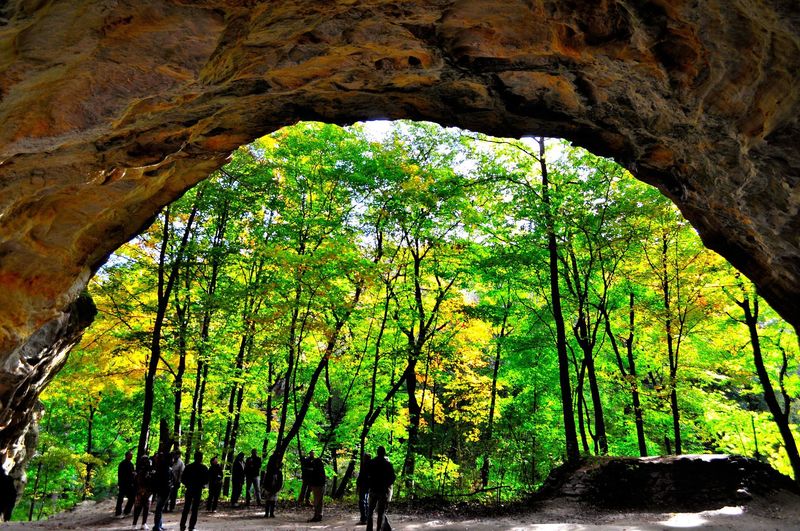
(125, 482)
(237, 478)
(305, 473)
(271, 484)
(362, 489)
(316, 483)
(195, 479)
(252, 473)
(381, 477)
(143, 490)
(214, 484)
(8, 494)
(162, 486)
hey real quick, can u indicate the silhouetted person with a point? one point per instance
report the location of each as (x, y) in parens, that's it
(381, 478)
(8, 495)
(162, 486)
(305, 473)
(272, 484)
(362, 489)
(237, 478)
(316, 483)
(214, 484)
(177, 473)
(125, 482)
(252, 472)
(195, 478)
(144, 482)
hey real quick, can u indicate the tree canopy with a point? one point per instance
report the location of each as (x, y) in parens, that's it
(484, 308)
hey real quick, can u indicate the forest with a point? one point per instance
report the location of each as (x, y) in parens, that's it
(486, 309)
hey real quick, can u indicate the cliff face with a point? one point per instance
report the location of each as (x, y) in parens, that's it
(112, 108)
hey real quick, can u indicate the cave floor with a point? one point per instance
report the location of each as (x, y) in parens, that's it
(778, 511)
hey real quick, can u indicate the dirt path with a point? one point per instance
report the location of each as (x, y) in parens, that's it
(780, 512)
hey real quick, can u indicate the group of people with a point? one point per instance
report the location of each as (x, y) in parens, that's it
(159, 477)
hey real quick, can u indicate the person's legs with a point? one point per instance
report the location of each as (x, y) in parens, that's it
(363, 506)
(161, 501)
(373, 500)
(195, 508)
(237, 491)
(120, 496)
(129, 505)
(137, 509)
(381, 505)
(302, 497)
(317, 492)
(173, 496)
(247, 492)
(257, 487)
(213, 497)
(187, 504)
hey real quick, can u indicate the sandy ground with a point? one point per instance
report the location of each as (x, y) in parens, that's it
(778, 512)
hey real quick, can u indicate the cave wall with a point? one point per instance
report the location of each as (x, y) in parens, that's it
(113, 108)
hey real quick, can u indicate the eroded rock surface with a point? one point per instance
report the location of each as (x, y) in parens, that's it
(677, 483)
(110, 109)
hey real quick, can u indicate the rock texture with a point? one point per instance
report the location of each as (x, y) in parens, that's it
(112, 108)
(677, 483)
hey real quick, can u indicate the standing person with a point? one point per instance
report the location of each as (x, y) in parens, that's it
(162, 486)
(237, 478)
(381, 478)
(214, 484)
(362, 489)
(195, 478)
(125, 482)
(252, 472)
(316, 483)
(177, 472)
(272, 483)
(143, 490)
(305, 474)
(8, 494)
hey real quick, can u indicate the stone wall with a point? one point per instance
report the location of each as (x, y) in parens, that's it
(113, 108)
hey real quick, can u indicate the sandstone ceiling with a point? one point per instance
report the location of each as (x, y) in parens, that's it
(111, 109)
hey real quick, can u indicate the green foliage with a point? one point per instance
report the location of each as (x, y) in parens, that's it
(412, 256)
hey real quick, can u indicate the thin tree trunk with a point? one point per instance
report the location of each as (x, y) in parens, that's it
(268, 430)
(581, 402)
(90, 451)
(629, 374)
(165, 286)
(779, 415)
(493, 397)
(201, 374)
(570, 435)
(671, 351)
(183, 324)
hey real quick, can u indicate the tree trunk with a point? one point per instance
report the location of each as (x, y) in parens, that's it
(779, 415)
(196, 415)
(493, 397)
(164, 292)
(181, 312)
(89, 451)
(671, 351)
(570, 435)
(634, 382)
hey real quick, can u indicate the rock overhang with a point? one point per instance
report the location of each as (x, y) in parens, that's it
(111, 110)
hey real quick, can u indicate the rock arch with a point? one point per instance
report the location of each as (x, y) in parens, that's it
(111, 109)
